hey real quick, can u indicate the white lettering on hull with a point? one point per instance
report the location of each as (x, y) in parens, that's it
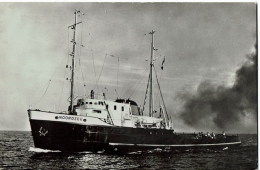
(70, 118)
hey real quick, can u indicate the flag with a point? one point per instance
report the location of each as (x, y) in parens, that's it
(163, 62)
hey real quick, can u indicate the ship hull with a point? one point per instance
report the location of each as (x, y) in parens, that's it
(69, 136)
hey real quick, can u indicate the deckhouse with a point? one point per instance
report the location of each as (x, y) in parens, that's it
(121, 112)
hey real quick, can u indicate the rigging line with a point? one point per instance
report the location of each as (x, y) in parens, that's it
(63, 82)
(137, 84)
(146, 92)
(157, 97)
(161, 93)
(78, 66)
(79, 48)
(68, 46)
(101, 69)
(83, 77)
(158, 93)
(51, 78)
(68, 58)
(56, 69)
(65, 72)
(81, 45)
(130, 86)
(77, 85)
(134, 83)
(160, 78)
(59, 63)
(61, 94)
(44, 92)
(81, 37)
(117, 77)
(96, 85)
(134, 90)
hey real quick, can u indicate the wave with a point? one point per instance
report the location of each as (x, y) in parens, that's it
(39, 150)
(135, 153)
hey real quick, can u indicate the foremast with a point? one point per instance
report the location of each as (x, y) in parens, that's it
(73, 41)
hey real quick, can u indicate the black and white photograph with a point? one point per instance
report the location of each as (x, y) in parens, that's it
(129, 85)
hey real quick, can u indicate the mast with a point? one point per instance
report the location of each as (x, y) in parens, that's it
(73, 61)
(150, 86)
(151, 76)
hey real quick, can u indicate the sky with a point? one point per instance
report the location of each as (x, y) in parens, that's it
(200, 41)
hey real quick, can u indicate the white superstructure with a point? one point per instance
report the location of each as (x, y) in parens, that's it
(115, 113)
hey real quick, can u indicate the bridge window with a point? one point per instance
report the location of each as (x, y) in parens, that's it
(122, 108)
(114, 107)
(97, 111)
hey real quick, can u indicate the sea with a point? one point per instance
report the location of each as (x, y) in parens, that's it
(17, 151)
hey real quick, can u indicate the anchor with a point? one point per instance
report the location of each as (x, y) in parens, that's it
(43, 132)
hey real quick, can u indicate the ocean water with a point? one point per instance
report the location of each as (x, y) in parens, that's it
(17, 152)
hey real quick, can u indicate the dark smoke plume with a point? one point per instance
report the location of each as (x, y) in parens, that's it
(222, 106)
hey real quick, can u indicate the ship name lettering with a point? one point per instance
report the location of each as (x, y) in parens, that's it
(70, 118)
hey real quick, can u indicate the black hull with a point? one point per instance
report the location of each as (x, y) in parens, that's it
(74, 137)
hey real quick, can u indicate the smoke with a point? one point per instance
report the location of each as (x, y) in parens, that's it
(224, 107)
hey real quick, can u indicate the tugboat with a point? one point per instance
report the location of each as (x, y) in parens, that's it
(97, 124)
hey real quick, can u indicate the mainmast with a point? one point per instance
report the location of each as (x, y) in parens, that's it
(151, 76)
(73, 61)
(150, 86)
